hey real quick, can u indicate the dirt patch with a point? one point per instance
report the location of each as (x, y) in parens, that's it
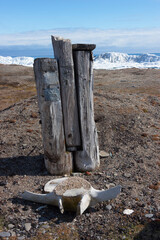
(127, 113)
(16, 83)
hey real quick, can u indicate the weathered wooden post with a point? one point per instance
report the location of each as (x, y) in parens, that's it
(63, 54)
(57, 160)
(65, 98)
(88, 158)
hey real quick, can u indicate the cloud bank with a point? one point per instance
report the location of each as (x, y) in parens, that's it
(109, 39)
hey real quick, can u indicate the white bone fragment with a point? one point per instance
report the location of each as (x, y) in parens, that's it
(71, 193)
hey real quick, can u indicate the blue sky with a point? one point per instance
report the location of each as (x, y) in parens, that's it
(114, 25)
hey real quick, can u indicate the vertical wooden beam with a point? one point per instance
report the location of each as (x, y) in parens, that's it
(88, 158)
(57, 160)
(63, 54)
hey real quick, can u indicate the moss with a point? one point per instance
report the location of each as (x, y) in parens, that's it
(1, 222)
(63, 231)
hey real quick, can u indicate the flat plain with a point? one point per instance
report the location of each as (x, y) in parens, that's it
(127, 115)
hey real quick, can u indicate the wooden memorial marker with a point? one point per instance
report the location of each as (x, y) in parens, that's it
(88, 158)
(57, 160)
(65, 98)
(63, 54)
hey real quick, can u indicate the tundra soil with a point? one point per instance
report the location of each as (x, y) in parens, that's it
(127, 115)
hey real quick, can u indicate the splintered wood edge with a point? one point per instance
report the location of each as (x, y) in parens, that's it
(56, 38)
(83, 47)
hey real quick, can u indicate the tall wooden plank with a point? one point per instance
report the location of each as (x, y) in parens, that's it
(63, 54)
(57, 160)
(88, 158)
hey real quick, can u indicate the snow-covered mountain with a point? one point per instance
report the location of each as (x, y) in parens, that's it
(110, 60)
(115, 60)
(25, 61)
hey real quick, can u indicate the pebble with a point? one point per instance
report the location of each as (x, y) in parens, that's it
(13, 234)
(110, 185)
(4, 234)
(45, 226)
(150, 215)
(103, 154)
(75, 174)
(108, 207)
(108, 176)
(21, 238)
(128, 175)
(27, 226)
(10, 226)
(128, 211)
(24, 145)
(115, 174)
(110, 154)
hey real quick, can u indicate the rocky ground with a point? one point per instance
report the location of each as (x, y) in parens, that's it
(127, 114)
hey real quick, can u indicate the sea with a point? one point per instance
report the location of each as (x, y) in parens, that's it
(108, 60)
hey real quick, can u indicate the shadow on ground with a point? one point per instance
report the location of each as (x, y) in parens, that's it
(151, 231)
(23, 165)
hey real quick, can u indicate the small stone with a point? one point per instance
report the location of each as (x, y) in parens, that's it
(76, 174)
(4, 234)
(115, 174)
(13, 234)
(150, 215)
(108, 207)
(108, 176)
(45, 226)
(111, 185)
(21, 238)
(110, 154)
(27, 226)
(103, 154)
(24, 145)
(128, 175)
(10, 226)
(128, 211)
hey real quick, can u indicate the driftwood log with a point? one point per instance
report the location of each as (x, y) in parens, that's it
(88, 158)
(57, 160)
(63, 54)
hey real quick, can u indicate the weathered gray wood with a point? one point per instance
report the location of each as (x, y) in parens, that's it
(83, 47)
(63, 54)
(57, 160)
(88, 158)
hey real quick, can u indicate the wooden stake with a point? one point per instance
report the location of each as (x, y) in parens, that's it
(57, 160)
(63, 54)
(88, 158)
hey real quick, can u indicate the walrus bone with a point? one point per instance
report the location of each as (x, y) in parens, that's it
(71, 193)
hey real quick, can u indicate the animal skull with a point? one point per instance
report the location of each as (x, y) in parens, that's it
(71, 193)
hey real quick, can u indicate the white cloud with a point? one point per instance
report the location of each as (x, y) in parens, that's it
(131, 38)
